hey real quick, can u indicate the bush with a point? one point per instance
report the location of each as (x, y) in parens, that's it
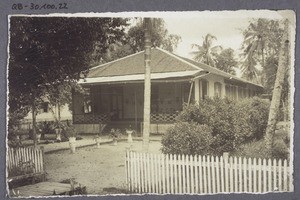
(257, 111)
(187, 138)
(257, 149)
(232, 123)
(46, 127)
(254, 149)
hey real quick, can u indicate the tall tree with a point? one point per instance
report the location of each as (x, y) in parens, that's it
(159, 36)
(225, 61)
(261, 40)
(151, 25)
(205, 52)
(147, 87)
(275, 103)
(47, 50)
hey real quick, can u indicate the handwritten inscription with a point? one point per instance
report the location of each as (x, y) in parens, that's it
(35, 6)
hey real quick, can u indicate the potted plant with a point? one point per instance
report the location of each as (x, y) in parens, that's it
(58, 129)
(129, 132)
(38, 135)
(97, 138)
(115, 134)
(71, 134)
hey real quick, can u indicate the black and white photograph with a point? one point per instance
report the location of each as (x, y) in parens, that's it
(136, 103)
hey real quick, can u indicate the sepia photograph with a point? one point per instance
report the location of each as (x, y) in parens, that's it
(158, 103)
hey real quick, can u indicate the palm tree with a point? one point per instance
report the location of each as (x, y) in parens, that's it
(281, 70)
(205, 52)
(260, 40)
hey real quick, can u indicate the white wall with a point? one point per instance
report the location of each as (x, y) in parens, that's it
(48, 116)
(211, 78)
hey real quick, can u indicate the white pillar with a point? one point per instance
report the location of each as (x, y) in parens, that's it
(197, 91)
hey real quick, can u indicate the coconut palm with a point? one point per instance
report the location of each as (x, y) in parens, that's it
(283, 64)
(260, 40)
(147, 87)
(205, 53)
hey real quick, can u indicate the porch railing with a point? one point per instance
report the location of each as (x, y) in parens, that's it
(90, 118)
(96, 118)
(163, 117)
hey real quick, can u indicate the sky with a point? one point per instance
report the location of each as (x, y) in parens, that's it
(227, 26)
(192, 26)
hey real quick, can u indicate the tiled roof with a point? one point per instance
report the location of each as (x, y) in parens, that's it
(161, 62)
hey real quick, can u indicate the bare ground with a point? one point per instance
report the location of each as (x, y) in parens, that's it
(101, 170)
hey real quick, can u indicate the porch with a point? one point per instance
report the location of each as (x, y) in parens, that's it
(121, 106)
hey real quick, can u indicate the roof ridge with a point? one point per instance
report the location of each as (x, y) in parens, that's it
(113, 61)
(178, 57)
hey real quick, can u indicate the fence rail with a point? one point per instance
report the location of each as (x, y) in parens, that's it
(177, 174)
(22, 161)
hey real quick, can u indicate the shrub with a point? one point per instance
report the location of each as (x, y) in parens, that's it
(46, 127)
(69, 131)
(232, 123)
(187, 138)
(257, 111)
(257, 149)
(254, 149)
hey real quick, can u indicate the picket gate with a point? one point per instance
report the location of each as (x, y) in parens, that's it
(25, 158)
(181, 174)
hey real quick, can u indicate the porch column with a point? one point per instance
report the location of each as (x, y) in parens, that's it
(197, 91)
(223, 92)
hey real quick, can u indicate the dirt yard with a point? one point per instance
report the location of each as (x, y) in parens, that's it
(101, 170)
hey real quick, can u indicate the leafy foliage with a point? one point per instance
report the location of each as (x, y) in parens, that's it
(261, 40)
(225, 61)
(47, 51)
(115, 133)
(187, 138)
(257, 149)
(159, 36)
(232, 123)
(205, 52)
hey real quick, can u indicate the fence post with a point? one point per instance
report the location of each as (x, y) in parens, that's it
(225, 161)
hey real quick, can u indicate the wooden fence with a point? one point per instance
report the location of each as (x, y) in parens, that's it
(177, 174)
(22, 161)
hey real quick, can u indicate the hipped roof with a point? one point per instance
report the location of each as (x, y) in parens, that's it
(163, 65)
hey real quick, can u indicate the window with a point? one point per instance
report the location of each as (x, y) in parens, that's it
(240, 93)
(204, 86)
(45, 107)
(231, 91)
(218, 89)
(154, 99)
(87, 102)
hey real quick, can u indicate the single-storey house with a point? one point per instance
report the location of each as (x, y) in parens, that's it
(114, 91)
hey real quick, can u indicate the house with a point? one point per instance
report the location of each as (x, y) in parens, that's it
(46, 112)
(114, 91)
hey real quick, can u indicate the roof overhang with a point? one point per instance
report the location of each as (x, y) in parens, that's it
(156, 77)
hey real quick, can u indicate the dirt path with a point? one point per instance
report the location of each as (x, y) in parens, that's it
(97, 169)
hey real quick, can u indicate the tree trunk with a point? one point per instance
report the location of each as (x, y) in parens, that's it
(147, 86)
(34, 123)
(59, 118)
(275, 103)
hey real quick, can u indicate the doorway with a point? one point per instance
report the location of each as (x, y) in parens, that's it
(116, 103)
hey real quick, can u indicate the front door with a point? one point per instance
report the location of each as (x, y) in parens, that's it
(116, 103)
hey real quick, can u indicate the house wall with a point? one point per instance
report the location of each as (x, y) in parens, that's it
(229, 89)
(65, 114)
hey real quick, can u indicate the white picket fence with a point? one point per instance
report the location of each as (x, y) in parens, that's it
(179, 174)
(26, 159)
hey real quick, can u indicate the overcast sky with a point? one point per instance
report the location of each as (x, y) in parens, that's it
(227, 26)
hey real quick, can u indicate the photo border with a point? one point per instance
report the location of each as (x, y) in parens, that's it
(81, 6)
